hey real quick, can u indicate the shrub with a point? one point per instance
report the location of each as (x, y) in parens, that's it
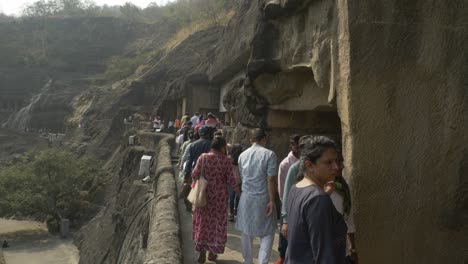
(49, 183)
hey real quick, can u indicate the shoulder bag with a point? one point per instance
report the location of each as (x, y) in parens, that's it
(197, 195)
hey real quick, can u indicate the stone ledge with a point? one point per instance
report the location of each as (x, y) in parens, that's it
(2, 258)
(164, 244)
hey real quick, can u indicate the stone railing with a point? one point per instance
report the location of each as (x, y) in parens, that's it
(164, 244)
(2, 258)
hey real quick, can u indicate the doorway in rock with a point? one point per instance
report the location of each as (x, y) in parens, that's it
(282, 124)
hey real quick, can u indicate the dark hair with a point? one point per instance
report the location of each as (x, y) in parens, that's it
(312, 148)
(196, 135)
(258, 134)
(186, 113)
(210, 115)
(206, 132)
(294, 139)
(196, 113)
(305, 140)
(190, 134)
(218, 143)
(189, 123)
(218, 133)
(236, 150)
(316, 147)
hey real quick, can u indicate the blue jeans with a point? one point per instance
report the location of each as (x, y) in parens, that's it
(233, 201)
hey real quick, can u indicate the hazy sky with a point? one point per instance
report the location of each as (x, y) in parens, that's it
(14, 7)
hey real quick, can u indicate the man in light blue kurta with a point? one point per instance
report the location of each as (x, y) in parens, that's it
(256, 214)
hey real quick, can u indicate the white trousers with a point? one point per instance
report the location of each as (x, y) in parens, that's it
(266, 244)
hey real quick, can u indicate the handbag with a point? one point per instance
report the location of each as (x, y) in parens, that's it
(197, 195)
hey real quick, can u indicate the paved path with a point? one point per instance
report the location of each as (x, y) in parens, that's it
(232, 254)
(30, 243)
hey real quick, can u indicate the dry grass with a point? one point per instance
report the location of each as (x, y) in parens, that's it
(185, 32)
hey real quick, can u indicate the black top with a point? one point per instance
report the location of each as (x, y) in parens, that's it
(316, 231)
(203, 145)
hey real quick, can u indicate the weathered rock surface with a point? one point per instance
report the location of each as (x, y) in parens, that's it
(403, 102)
(390, 78)
(398, 73)
(119, 230)
(73, 53)
(387, 77)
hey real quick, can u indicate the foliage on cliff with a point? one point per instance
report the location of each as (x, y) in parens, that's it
(182, 12)
(80, 36)
(53, 183)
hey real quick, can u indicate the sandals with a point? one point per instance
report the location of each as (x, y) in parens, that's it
(212, 256)
(202, 257)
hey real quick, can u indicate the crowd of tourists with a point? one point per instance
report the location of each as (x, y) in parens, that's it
(193, 123)
(306, 197)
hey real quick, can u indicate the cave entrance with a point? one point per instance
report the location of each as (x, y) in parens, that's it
(283, 124)
(169, 110)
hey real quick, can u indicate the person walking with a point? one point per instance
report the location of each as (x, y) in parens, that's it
(185, 118)
(291, 179)
(234, 154)
(185, 129)
(195, 118)
(316, 230)
(201, 120)
(286, 163)
(211, 120)
(177, 123)
(193, 136)
(256, 215)
(210, 222)
(170, 125)
(340, 194)
(195, 149)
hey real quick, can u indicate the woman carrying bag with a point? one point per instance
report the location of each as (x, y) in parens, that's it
(210, 221)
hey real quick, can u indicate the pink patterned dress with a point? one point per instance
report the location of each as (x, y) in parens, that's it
(210, 222)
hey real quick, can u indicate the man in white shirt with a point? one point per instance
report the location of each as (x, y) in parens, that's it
(256, 214)
(195, 118)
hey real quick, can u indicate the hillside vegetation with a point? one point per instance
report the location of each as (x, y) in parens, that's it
(53, 183)
(70, 39)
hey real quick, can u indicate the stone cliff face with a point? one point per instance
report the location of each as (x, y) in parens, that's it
(387, 79)
(397, 72)
(71, 55)
(274, 69)
(403, 100)
(120, 228)
(397, 75)
(101, 113)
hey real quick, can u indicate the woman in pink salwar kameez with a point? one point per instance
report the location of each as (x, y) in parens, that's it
(210, 222)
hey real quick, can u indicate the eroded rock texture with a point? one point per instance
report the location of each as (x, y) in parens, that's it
(404, 107)
(398, 72)
(285, 83)
(388, 79)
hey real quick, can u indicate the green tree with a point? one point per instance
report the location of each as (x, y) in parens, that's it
(54, 183)
(43, 8)
(64, 8)
(109, 11)
(5, 18)
(131, 12)
(153, 12)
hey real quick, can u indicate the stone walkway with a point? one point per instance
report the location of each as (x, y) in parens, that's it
(232, 254)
